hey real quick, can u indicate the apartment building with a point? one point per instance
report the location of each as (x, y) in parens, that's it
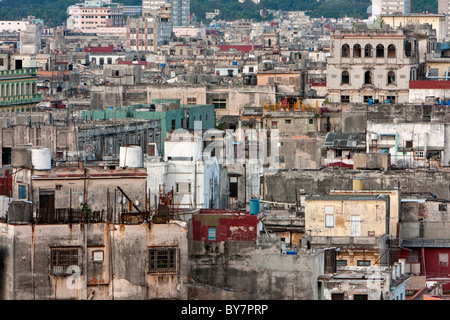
(18, 82)
(92, 15)
(142, 34)
(357, 224)
(372, 65)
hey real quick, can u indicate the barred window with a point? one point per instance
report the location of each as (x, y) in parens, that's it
(62, 259)
(163, 260)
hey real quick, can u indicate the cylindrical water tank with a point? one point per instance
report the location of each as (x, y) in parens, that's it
(41, 158)
(357, 184)
(131, 157)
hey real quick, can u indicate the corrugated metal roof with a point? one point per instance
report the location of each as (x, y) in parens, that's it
(427, 243)
(341, 140)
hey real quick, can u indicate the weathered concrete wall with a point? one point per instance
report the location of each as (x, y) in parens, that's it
(281, 186)
(251, 270)
(428, 230)
(372, 161)
(429, 210)
(26, 250)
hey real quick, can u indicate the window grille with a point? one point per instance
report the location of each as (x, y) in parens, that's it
(62, 259)
(164, 260)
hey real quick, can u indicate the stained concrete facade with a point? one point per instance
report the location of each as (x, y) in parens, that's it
(366, 283)
(113, 261)
(252, 270)
(281, 186)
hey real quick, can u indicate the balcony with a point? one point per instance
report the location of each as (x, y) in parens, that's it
(18, 73)
(22, 99)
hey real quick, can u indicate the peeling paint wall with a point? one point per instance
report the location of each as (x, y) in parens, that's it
(25, 250)
(250, 270)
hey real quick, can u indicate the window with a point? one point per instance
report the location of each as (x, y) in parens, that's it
(368, 50)
(366, 98)
(391, 51)
(363, 263)
(368, 77)
(345, 98)
(287, 121)
(345, 51)
(337, 296)
(22, 192)
(380, 51)
(443, 259)
(341, 263)
(357, 51)
(360, 297)
(62, 259)
(191, 100)
(2, 62)
(220, 103)
(309, 121)
(163, 260)
(407, 45)
(345, 78)
(329, 217)
(115, 73)
(391, 77)
(413, 256)
(233, 187)
(391, 99)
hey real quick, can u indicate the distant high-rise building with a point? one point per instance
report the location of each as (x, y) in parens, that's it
(157, 13)
(444, 7)
(391, 7)
(181, 11)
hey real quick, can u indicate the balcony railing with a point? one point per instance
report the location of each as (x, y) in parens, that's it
(67, 215)
(21, 99)
(18, 72)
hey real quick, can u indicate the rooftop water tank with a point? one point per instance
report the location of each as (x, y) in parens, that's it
(41, 158)
(131, 157)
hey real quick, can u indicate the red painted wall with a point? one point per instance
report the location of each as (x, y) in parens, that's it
(234, 226)
(429, 261)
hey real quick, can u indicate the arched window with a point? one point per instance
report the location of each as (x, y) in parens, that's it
(391, 77)
(368, 77)
(345, 51)
(345, 77)
(94, 61)
(356, 51)
(391, 51)
(102, 61)
(380, 51)
(109, 60)
(368, 50)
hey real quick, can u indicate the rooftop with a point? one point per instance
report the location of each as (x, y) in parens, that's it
(346, 197)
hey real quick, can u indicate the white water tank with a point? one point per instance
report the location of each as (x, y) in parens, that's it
(131, 157)
(41, 158)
